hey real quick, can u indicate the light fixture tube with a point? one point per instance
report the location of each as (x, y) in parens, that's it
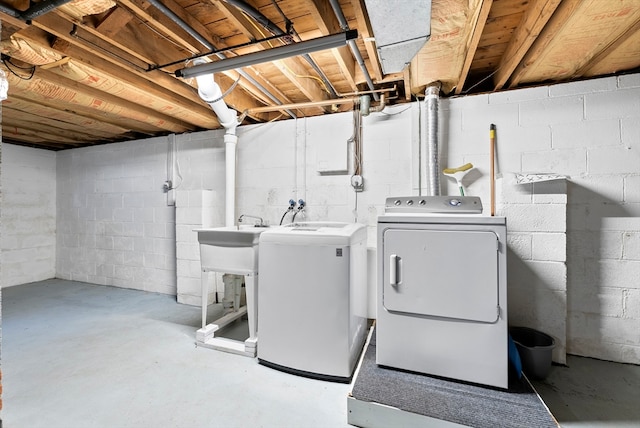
(281, 52)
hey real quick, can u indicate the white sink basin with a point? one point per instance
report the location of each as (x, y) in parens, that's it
(231, 236)
(230, 249)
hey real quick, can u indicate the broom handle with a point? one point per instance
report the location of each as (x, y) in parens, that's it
(492, 140)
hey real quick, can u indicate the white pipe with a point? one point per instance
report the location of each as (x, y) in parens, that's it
(431, 100)
(210, 92)
(230, 143)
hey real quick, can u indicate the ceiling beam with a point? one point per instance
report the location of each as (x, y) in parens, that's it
(69, 129)
(37, 129)
(29, 139)
(366, 33)
(46, 93)
(554, 26)
(130, 52)
(15, 105)
(149, 15)
(241, 101)
(611, 45)
(157, 82)
(126, 108)
(478, 23)
(324, 16)
(534, 20)
(291, 68)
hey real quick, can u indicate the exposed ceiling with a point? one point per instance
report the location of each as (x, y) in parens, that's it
(85, 72)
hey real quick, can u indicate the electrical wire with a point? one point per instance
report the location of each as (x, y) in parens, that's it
(177, 160)
(228, 91)
(6, 60)
(74, 34)
(396, 113)
(245, 132)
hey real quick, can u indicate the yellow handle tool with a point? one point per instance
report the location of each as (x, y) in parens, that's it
(457, 174)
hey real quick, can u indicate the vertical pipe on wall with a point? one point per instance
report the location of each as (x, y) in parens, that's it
(432, 94)
(230, 143)
(210, 92)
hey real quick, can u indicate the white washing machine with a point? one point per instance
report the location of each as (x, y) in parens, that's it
(442, 289)
(312, 298)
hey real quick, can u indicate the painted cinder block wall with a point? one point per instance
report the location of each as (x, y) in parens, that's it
(28, 215)
(114, 225)
(590, 131)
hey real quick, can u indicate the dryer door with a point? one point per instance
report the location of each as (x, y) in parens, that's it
(441, 273)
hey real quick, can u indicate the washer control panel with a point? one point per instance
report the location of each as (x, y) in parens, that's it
(434, 204)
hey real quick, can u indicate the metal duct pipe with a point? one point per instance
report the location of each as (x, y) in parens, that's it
(432, 94)
(276, 31)
(186, 27)
(42, 8)
(259, 17)
(34, 11)
(352, 44)
(10, 11)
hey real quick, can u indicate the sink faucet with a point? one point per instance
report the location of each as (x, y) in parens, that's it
(254, 217)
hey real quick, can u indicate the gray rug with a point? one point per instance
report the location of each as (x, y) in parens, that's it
(448, 400)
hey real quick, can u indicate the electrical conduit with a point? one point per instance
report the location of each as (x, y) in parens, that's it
(335, 5)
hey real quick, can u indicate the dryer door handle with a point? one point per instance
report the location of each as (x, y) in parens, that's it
(395, 270)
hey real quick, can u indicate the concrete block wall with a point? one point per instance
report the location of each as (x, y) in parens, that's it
(195, 209)
(590, 131)
(28, 215)
(537, 252)
(114, 224)
(278, 162)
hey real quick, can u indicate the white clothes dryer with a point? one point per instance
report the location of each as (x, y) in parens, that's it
(442, 289)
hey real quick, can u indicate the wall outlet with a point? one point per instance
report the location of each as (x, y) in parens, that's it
(357, 182)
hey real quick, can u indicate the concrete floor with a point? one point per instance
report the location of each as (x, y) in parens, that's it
(76, 355)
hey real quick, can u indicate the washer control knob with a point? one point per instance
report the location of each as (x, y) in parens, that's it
(455, 202)
(422, 202)
(397, 202)
(410, 202)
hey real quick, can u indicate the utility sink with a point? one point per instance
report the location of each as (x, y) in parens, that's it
(230, 249)
(231, 236)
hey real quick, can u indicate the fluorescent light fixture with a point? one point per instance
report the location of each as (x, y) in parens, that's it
(281, 52)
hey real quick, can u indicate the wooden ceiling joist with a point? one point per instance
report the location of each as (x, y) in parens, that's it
(105, 69)
(328, 23)
(481, 14)
(536, 17)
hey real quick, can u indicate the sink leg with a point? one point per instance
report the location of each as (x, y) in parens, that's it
(251, 288)
(205, 296)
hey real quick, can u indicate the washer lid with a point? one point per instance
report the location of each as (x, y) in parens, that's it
(318, 233)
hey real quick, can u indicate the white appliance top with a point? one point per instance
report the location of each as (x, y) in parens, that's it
(319, 233)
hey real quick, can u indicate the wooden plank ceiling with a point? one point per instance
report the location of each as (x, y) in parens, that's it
(85, 72)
